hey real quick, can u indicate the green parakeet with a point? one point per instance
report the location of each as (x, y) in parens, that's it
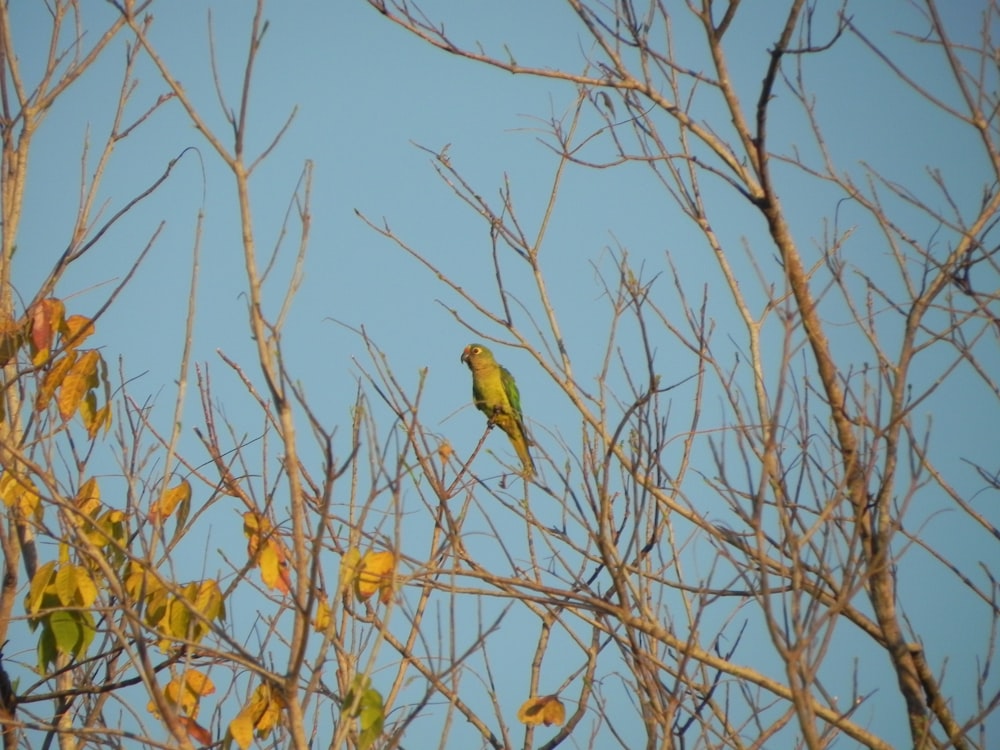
(495, 394)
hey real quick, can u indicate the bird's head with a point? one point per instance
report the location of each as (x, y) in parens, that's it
(474, 354)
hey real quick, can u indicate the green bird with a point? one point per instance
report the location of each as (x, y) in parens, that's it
(495, 394)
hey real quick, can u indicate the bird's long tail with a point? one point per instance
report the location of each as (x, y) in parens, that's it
(520, 443)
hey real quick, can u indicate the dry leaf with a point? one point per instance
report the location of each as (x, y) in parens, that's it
(195, 731)
(46, 317)
(547, 710)
(445, 451)
(375, 574)
(321, 618)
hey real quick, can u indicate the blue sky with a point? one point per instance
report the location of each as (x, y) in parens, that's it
(366, 92)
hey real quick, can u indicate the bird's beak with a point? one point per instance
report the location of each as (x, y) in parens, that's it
(465, 355)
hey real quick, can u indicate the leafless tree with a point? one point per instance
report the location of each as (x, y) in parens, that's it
(821, 451)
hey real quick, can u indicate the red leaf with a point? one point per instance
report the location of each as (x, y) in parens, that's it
(195, 731)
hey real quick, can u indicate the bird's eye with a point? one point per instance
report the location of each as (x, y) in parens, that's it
(476, 350)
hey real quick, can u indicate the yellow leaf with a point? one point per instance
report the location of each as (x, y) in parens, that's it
(181, 698)
(112, 525)
(95, 420)
(321, 621)
(177, 621)
(74, 586)
(19, 491)
(349, 564)
(547, 710)
(270, 718)
(186, 692)
(198, 682)
(88, 498)
(53, 379)
(78, 381)
(271, 568)
(376, 574)
(252, 523)
(39, 585)
(85, 586)
(11, 337)
(169, 500)
(241, 728)
(183, 618)
(206, 598)
(140, 584)
(268, 551)
(261, 715)
(75, 329)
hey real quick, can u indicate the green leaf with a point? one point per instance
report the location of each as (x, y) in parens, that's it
(66, 630)
(156, 608)
(88, 631)
(46, 648)
(358, 686)
(371, 718)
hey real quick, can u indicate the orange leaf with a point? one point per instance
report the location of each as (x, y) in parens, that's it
(547, 710)
(376, 573)
(274, 567)
(80, 379)
(46, 317)
(253, 526)
(445, 451)
(198, 682)
(76, 329)
(181, 699)
(267, 551)
(195, 731)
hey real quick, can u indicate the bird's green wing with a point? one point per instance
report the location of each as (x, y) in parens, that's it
(513, 395)
(514, 399)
